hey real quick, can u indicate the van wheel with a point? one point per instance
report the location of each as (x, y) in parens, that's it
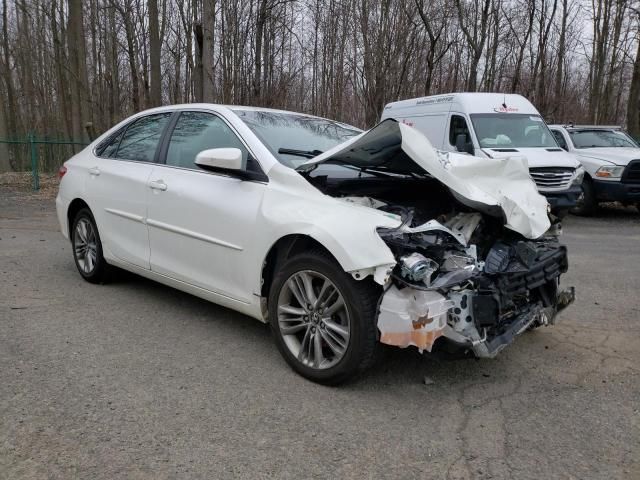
(323, 320)
(586, 204)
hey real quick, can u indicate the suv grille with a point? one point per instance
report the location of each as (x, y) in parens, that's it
(552, 178)
(632, 172)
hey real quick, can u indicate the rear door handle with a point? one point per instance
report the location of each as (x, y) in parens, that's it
(95, 171)
(158, 185)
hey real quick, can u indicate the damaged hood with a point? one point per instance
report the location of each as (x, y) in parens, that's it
(496, 186)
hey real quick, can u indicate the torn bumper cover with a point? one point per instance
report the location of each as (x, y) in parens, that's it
(483, 314)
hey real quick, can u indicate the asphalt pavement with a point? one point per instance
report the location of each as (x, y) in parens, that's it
(135, 380)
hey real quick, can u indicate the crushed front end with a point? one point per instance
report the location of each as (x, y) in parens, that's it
(478, 259)
(466, 278)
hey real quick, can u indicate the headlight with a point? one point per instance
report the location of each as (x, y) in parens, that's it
(610, 172)
(578, 176)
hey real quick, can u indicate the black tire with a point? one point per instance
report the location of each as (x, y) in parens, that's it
(361, 301)
(100, 270)
(587, 203)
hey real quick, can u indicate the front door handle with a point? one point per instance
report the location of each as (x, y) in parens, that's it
(158, 185)
(95, 171)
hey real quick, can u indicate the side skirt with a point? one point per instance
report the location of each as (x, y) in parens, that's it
(251, 309)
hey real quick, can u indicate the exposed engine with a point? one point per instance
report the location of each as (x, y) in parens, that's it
(465, 277)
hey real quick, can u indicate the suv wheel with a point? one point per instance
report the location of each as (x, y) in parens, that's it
(587, 203)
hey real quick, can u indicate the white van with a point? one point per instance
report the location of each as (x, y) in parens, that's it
(496, 125)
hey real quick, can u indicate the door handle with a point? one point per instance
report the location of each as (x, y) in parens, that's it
(95, 171)
(158, 185)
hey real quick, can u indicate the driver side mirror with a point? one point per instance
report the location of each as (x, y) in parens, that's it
(220, 159)
(462, 145)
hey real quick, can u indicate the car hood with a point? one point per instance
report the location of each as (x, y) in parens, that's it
(496, 186)
(538, 157)
(617, 155)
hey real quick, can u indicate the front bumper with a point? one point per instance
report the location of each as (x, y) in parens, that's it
(612, 191)
(536, 315)
(518, 288)
(563, 200)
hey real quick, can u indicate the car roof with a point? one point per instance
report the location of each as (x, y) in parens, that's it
(219, 106)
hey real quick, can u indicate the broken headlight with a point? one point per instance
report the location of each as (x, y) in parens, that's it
(417, 268)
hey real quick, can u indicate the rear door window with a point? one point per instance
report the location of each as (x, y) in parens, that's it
(109, 146)
(140, 141)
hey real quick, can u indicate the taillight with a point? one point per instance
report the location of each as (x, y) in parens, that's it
(61, 172)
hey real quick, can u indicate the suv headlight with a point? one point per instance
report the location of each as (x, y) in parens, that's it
(578, 176)
(610, 171)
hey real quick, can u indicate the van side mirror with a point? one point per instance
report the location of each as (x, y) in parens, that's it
(462, 145)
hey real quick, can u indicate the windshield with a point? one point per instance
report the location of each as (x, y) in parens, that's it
(302, 136)
(601, 138)
(512, 130)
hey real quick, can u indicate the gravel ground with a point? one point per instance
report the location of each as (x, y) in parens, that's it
(136, 380)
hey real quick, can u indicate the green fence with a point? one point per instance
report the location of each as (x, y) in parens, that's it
(40, 155)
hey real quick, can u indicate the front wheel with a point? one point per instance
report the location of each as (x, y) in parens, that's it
(87, 248)
(323, 320)
(586, 204)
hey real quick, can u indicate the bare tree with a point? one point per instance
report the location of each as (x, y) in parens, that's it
(64, 63)
(154, 52)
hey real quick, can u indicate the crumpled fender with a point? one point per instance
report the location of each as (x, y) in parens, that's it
(346, 230)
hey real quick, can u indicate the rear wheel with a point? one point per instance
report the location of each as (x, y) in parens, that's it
(87, 248)
(323, 320)
(586, 204)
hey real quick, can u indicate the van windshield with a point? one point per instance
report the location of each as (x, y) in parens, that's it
(512, 130)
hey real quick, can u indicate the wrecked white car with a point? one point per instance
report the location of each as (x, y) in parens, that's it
(380, 239)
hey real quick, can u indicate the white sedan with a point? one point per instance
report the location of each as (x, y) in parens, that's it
(341, 240)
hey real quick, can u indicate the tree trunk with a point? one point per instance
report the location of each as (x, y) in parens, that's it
(633, 104)
(208, 18)
(11, 121)
(154, 53)
(77, 68)
(5, 163)
(261, 19)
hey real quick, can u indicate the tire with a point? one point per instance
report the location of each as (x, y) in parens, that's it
(342, 357)
(587, 203)
(87, 248)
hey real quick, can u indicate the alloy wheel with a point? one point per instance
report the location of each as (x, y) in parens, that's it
(313, 319)
(85, 245)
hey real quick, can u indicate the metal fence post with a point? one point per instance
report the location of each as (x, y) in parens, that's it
(34, 162)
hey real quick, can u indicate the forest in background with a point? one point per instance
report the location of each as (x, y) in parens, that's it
(71, 69)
